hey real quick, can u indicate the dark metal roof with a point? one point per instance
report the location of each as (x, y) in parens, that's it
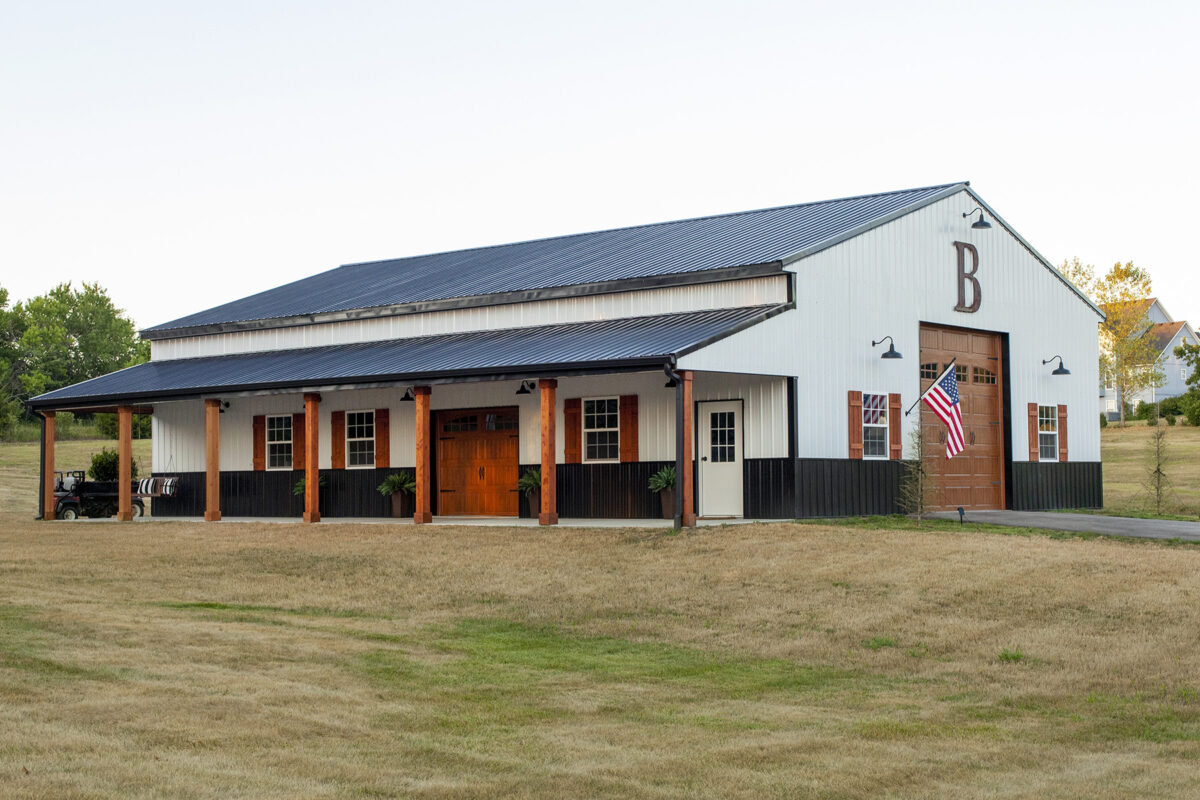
(552, 349)
(682, 248)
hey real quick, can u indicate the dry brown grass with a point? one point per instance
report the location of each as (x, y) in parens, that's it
(278, 660)
(1125, 468)
(19, 467)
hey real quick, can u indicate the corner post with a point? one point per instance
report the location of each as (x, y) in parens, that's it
(312, 451)
(48, 500)
(212, 460)
(687, 507)
(124, 463)
(549, 509)
(423, 511)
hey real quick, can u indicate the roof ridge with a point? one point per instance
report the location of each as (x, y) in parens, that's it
(657, 224)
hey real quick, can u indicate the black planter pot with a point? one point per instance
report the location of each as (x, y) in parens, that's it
(402, 504)
(667, 497)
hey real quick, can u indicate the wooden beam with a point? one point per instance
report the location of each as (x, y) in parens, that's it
(124, 464)
(423, 511)
(48, 500)
(212, 460)
(689, 510)
(312, 452)
(549, 510)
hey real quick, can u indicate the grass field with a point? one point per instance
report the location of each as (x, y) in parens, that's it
(278, 660)
(19, 467)
(1123, 451)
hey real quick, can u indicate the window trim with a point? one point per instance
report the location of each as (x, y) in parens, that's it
(885, 425)
(291, 442)
(370, 439)
(584, 429)
(1054, 419)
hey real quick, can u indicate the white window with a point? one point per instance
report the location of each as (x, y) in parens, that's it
(875, 426)
(1047, 433)
(360, 439)
(279, 442)
(601, 429)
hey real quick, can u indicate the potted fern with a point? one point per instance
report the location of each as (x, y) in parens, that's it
(400, 487)
(530, 485)
(662, 483)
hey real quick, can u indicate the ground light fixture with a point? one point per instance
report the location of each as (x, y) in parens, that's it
(891, 351)
(980, 224)
(1061, 370)
(526, 387)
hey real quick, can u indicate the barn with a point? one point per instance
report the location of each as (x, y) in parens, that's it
(770, 356)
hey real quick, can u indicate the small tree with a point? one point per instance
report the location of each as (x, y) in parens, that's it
(106, 466)
(1158, 484)
(918, 486)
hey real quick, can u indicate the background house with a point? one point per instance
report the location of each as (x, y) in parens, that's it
(1164, 334)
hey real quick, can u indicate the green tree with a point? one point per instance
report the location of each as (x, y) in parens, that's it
(10, 385)
(1189, 403)
(1127, 357)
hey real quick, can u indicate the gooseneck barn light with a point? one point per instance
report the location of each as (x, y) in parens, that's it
(1061, 370)
(408, 396)
(891, 351)
(526, 387)
(980, 224)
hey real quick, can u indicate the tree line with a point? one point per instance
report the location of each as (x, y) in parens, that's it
(64, 336)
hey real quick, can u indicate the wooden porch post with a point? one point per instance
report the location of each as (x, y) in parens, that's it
(312, 451)
(48, 501)
(423, 511)
(124, 463)
(685, 485)
(212, 460)
(549, 510)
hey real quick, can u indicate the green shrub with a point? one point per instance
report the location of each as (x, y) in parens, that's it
(106, 466)
(300, 487)
(662, 480)
(530, 482)
(1190, 404)
(401, 481)
(1170, 418)
(1012, 655)
(1172, 406)
(1104, 420)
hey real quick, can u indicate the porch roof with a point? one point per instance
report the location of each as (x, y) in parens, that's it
(602, 346)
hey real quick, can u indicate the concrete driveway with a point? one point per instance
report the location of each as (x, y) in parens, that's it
(1085, 523)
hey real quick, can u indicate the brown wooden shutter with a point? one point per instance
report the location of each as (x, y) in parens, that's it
(629, 428)
(573, 430)
(895, 445)
(337, 439)
(1062, 433)
(299, 430)
(383, 447)
(856, 417)
(259, 439)
(1033, 432)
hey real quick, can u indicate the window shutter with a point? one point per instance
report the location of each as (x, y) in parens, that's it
(1062, 433)
(573, 430)
(629, 428)
(298, 432)
(855, 413)
(1033, 432)
(259, 430)
(895, 445)
(337, 443)
(383, 452)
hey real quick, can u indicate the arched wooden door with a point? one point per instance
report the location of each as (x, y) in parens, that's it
(477, 451)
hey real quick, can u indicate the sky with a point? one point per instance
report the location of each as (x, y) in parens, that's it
(185, 154)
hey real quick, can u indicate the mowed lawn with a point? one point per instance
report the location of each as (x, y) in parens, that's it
(181, 659)
(1127, 464)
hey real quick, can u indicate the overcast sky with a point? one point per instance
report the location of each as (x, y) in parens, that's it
(186, 154)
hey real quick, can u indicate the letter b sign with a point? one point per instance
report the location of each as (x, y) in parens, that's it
(965, 277)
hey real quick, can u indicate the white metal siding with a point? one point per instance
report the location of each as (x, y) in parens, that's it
(647, 302)
(888, 281)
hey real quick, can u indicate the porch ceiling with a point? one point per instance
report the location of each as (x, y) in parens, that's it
(607, 345)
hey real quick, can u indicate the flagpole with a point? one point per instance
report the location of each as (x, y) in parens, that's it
(949, 367)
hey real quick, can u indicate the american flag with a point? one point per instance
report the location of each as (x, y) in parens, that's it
(942, 397)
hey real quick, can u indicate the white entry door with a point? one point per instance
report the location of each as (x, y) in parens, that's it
(719, 453)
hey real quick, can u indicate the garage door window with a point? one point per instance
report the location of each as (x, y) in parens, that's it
(1047, 433)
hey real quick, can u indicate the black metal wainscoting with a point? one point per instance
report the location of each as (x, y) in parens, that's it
(346, 493)
(833, 487)
(604, 491)
(1041, 486)
(769, 488)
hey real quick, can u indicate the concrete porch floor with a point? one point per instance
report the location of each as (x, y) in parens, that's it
(502, 522)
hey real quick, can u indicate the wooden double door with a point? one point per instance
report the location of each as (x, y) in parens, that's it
(973, 479)
(476, 457)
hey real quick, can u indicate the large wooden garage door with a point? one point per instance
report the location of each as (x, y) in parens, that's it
(477, 462)
(973, 479)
